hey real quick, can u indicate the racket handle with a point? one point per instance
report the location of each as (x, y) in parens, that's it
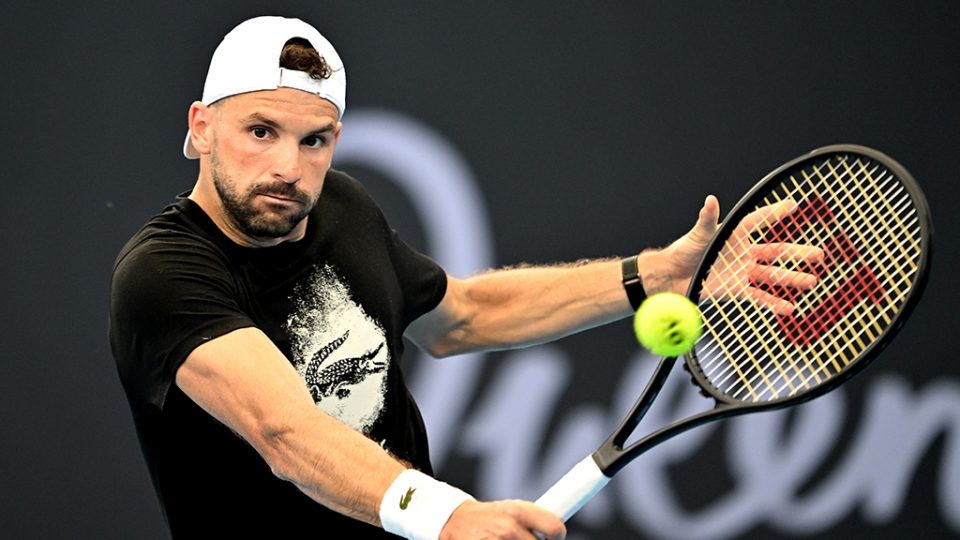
(575, 489)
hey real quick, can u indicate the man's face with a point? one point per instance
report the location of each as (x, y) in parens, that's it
(270, 153)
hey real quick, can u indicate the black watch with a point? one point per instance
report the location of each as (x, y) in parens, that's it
(632, 283)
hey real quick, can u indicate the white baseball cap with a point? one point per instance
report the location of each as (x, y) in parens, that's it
(248, 60)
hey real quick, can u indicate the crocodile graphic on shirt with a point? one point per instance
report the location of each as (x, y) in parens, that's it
(336, 378)
(338, 350)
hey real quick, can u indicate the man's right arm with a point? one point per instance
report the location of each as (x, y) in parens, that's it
(246, 383)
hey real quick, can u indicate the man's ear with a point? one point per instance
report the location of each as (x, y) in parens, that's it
(200, 121)
(336, 134)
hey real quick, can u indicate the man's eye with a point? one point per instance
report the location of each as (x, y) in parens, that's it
(313, 141)
(260, 132)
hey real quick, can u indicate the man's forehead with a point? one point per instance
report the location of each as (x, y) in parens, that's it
(279, 102)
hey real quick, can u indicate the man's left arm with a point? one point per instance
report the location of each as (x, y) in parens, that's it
(524, 306)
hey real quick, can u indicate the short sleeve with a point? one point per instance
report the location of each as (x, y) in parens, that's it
(167, 297)
(423, 281)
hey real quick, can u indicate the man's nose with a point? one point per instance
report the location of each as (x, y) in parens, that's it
(287, 167)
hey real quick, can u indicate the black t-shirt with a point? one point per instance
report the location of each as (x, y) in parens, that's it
(336, 303)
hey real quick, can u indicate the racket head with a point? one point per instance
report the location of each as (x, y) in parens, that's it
(872, 222)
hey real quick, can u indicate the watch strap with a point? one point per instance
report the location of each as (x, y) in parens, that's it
(632, 282)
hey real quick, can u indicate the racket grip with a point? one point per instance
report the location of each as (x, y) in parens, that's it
(575, 489)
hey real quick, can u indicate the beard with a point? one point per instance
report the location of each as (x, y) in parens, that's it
(273, 222)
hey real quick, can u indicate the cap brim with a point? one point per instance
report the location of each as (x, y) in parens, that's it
(188, 150)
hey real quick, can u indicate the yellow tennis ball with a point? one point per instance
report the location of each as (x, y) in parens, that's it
(668, 324)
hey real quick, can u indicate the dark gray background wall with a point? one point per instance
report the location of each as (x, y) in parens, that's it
(591, 128)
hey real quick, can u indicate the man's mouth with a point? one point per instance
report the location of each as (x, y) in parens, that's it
(286, 199)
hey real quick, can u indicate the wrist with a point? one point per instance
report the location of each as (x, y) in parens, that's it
(652, 265)
(417, 506)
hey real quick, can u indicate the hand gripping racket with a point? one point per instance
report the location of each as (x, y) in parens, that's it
(806, 281)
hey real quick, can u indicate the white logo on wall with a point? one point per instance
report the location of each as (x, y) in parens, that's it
(773, 465)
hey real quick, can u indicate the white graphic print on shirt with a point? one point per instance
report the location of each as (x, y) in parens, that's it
(338, 350)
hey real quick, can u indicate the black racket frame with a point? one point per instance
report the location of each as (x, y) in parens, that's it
(612, 456)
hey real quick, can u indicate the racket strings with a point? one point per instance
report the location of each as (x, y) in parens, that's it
(883, 241)
(832, 347)
(814, 372)
(849, 255)
(748, 384)
(864, 220)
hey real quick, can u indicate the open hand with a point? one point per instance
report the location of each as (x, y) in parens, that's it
(741, 264)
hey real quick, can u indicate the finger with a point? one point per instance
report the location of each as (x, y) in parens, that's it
(768, 215)
(709, 217)
(783, 277)
(711, 210)
(777, 305)
(541, 521)
(787, 251)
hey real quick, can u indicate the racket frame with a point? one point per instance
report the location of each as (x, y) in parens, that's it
(612, 455)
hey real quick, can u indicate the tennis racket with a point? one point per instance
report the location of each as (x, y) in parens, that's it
(806, 281)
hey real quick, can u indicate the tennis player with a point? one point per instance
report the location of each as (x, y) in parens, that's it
(258, 320)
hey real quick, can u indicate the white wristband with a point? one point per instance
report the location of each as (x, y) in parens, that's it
(417, 506)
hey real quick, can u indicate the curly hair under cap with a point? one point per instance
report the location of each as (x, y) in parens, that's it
(299, 55)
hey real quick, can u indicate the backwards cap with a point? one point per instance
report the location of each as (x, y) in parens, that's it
(248, 60)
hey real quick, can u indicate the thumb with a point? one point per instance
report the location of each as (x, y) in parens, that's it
(708, 219)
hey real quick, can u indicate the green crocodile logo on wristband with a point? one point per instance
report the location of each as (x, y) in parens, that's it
(405, 499)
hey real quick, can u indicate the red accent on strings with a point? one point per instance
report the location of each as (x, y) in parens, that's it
(802, 331)
(814, 219)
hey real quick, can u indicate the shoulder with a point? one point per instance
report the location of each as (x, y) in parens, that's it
(345, 197)
(170, 266)
(177, 237)
(341, 185)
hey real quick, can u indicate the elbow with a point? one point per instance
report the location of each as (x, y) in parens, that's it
(450, 328)
(442, 339)
(456, 340)
(271, 439)
(455, 344)
(441, 348)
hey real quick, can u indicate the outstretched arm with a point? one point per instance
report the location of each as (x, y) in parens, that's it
(528, 305)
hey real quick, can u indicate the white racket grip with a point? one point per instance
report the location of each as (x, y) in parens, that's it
(575, 489)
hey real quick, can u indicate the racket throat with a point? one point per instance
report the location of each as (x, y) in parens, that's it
(608, 453)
